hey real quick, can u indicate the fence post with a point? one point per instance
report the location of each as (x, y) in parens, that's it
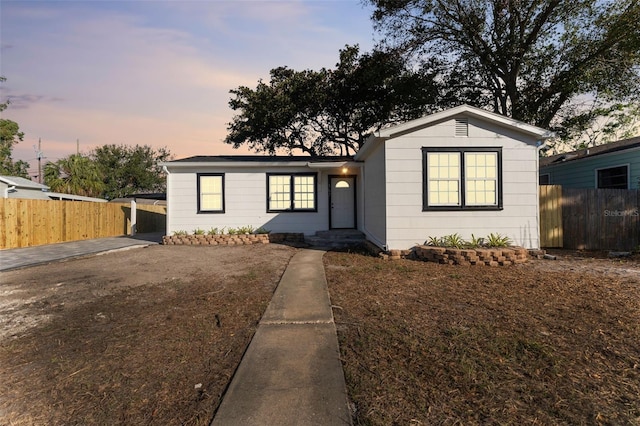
(133, 217)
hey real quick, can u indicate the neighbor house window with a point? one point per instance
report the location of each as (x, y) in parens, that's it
(545, 179)
(210, 193)
(462, 178)
(291, 192)
(613, 177)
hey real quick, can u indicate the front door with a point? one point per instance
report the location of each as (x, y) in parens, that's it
(343, 202)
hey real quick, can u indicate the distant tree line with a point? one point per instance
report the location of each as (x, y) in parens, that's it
(110, 171)
(10, 135)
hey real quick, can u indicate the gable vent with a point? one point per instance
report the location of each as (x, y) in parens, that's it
(462, 127)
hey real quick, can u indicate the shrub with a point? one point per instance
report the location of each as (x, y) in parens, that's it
(497, 240)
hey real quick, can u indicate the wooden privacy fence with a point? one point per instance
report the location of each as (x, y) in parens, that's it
(589, 219)
(28, 223)
(551, 216)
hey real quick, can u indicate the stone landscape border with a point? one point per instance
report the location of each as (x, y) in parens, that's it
(498, 256)
(232, 240)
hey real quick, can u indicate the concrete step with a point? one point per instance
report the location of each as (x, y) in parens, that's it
(336, 238)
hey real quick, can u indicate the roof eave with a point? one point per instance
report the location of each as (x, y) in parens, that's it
(394, 131)
(258, 164)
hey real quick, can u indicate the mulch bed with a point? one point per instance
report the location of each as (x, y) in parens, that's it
(538, 343)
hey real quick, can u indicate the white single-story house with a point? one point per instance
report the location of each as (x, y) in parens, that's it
(464, 170)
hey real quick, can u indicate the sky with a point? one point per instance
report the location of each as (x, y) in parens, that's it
(155, 72)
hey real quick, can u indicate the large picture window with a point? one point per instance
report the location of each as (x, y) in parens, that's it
(462, 178)
(291, 192)
(210, 193)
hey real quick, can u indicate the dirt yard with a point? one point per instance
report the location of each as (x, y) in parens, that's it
(145, 336)
(548, 342)
(152, 336)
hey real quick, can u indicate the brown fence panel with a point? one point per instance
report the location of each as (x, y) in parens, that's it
(28, 223)
(551, 232)
(601, 219)
(151, 218)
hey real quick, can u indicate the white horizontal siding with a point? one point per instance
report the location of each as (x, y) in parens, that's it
(245, 203)
(407, 224)
(375, 197)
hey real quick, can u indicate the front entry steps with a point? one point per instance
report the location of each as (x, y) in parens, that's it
(336, 238)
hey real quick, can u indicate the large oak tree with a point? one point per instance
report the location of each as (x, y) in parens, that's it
(553, 63)
(329, 110)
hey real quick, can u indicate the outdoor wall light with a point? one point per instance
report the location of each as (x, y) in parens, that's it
(344, 170)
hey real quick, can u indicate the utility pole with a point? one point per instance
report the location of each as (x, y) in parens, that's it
(39, 160)
(77, 146)
(39, 156)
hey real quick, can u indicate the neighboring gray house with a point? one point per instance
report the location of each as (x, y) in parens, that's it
(19, 187)
(613, 165)
(464, 170)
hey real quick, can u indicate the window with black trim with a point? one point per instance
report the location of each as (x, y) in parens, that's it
(614, 177)
(462, 178)
(292, 192)
(210, 193)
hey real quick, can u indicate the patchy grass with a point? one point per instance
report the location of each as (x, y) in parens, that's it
(148, 336)
(424, 343)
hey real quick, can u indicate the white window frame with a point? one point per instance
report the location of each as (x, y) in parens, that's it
(627, 166)
(548, 175)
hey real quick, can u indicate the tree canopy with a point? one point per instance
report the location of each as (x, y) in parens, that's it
(556, 64)
(10, 135)
(109, 171)
(75, 174)
(128, 170)
(330, 110)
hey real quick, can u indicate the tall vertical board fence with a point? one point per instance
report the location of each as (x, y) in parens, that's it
(601, 219)
(551, 233)
(27, 223)
(591, 219)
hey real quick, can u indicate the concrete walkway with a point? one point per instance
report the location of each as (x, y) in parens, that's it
(291, 372)
(30, 256)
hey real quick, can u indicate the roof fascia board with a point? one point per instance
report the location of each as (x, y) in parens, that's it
(369, 144)
(258, 164)
(465, 110)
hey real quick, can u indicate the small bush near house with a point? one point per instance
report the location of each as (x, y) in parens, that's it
(456, 241)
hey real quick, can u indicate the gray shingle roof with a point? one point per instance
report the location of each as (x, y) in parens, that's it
(590, 152)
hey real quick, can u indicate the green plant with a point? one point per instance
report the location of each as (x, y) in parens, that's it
(232, 231)
(261, 230)
(213, 231)
(198, 231)
(434, 241)
(475, 242)
(179, 233)
(497, 240)
(453, 240)
(245, 229)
